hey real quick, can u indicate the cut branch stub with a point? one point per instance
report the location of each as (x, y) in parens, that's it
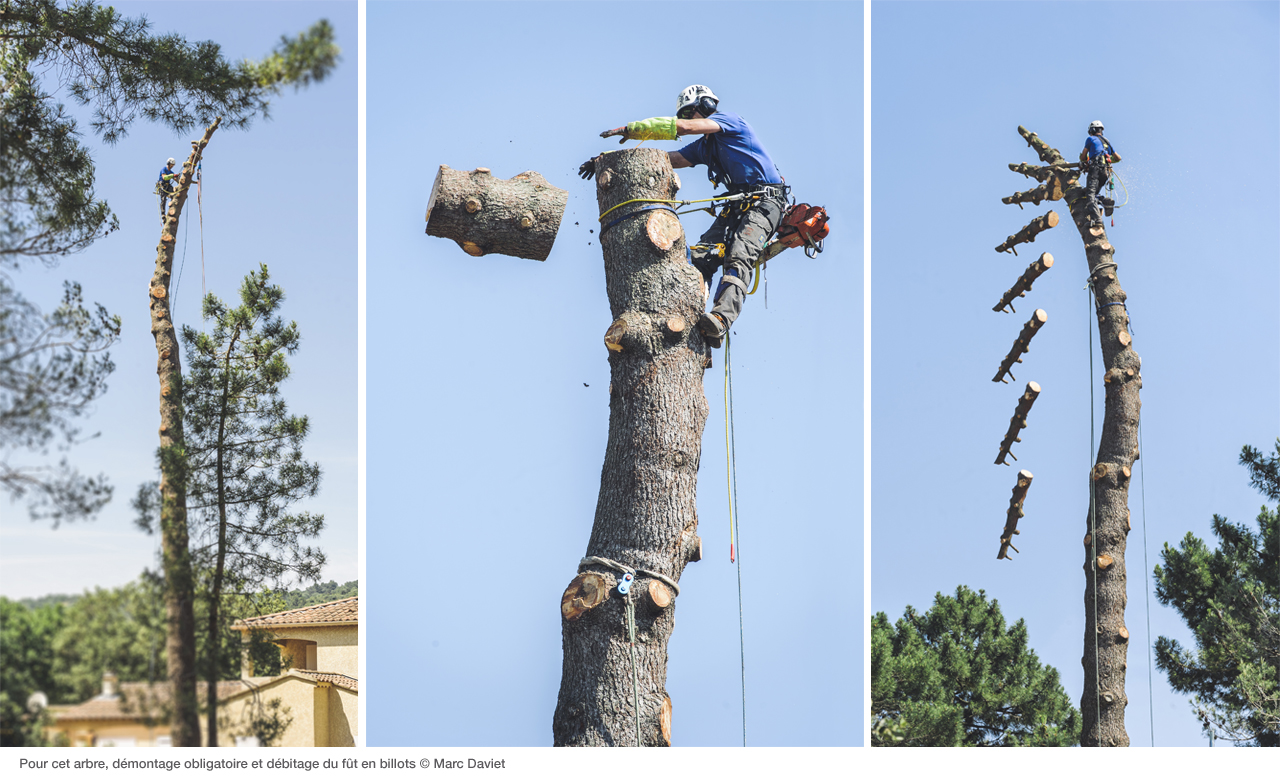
(1021, 287)
(1047, 153)
(663, 229)
(1018, 421)
(1021, 345)
(1045, 191)
(519, 216)
(1028, 233)
(585, 592)
(1044, 172)
(1015, 512)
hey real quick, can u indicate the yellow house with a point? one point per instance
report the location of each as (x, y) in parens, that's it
(313, 703)
(321, 658)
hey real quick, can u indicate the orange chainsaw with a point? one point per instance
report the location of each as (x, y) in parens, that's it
(803, 225)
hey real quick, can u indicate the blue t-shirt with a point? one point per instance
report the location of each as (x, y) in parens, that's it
(734, 156)
(165, 171)
(1095, 146)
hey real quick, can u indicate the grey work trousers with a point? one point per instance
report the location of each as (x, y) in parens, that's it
(744, 234)
(1098, 176)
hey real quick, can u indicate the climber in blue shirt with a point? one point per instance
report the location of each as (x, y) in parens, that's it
(1096, 161)
(165, 184)
(735, 158)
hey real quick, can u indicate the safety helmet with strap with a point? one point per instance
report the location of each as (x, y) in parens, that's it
(696, 97)
(1095, 127)
(171, 162)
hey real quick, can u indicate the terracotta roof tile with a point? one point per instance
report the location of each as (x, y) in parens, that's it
(138, 700)
(337, 612)
(332, 678)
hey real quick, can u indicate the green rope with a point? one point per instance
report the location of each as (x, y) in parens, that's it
(735, 523)
(635, 676)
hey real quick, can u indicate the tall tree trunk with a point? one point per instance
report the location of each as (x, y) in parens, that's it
(646, 515)
(179, 580)
(1107, 525)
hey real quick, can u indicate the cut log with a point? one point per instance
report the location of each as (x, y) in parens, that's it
(1018, 422)
(1029, 232)
(1015, 512)
(1021, 287)
(1021, 345)
(1043, 172)
(519, 216)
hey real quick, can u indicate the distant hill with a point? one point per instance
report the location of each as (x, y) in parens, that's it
(294, 599)
(320, 593)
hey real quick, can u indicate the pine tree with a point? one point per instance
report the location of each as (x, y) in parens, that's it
(244, 456)
(1230, 598)
(955, 676)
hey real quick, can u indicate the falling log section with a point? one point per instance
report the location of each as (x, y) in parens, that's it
(1018, 422)
(519, 216)
(1021, 345)
(646, 513)
(1028, 233)
(1021, 287)
(1015, 513)
(1103, 700)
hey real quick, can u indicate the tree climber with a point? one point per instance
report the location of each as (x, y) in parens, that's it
(165, 184)
(734, 157)
(1096, 160)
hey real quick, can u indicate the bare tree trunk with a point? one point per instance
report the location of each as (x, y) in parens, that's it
(646, 518)
(179, 581)
(1103, 701)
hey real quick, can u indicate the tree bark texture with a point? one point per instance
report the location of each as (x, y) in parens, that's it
(179, 580)
(1014, 514)
(1021, 287)
(519, 216)
(646, 515)
(1103, 701)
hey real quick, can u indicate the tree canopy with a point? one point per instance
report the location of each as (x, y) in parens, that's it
(1230, 599)
(52, 366)
(956, 676)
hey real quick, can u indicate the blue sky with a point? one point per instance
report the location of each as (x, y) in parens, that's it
(484, 445)
(1187, 92)
(285, 193)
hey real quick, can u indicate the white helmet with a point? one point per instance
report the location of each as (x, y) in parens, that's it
(1095, 127)
(698, 98)
(171, 162)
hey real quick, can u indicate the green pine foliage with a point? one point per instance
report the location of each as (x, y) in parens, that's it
(26, 666)
(1230, 598)
(957, 676)
(320, 593)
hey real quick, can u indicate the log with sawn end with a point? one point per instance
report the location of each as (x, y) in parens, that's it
(519, 216)
(1018, 422)
(1021, 287)
(1015, 512)
(1043, 172)
(1028, 233)
(1021, 346)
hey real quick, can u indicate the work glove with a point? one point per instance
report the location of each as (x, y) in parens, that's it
(622, 131)
(587, 169)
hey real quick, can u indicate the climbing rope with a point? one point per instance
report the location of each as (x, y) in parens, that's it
(738, 196)
(731, 472)
(200, 205)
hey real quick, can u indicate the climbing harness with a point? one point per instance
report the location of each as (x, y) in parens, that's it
(731, 473)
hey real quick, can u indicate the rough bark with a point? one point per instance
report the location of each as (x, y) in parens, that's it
(1021, 287)
(1018, 422)
(1103, 700)
(646, 516)
(179, 581)
(1014, 514)
(1029, 232)
(1021, 345)
(519, 216)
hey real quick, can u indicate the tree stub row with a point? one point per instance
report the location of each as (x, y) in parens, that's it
(1018, 422)
(1015, 512)
(1021, 287)
(1021, 345)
